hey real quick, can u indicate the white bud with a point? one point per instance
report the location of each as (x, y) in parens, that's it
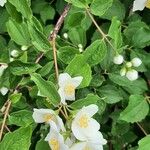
(80, 45)
(123, 71)
(136, 62)
(11, 59)
(24, 48)
(128, 64)
(2, 68)
(65, 35)
(14, 53)
(4, 90)
(80, 50)
(132, 75)
(118, 59)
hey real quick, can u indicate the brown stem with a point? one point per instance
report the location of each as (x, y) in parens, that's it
(39, 57)
(4, 120)
(142, 129)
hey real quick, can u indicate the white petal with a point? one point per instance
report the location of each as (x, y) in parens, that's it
(70, 97)
(78, 146)
(4, 90)
(63, 78)
(91, 109)
(60, 124)
(76, 81)
(139, 5)
(2, 2)
(62, 95)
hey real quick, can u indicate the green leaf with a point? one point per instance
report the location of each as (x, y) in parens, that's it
(96, 52)
(144, 143)
(18, 32)
(21, 118)
(15, 97)
(90, 99)
(111, 94)
(136, 110)
(79, 67)
(23, 7)
(19, 68)
(99, 7)
(39, 40)
(117, 9)
(42, 145)
(72, 19)
(67, 53)
(17, 139)
(115, 33)
(77, 36)
(46, 88)
(46, 69)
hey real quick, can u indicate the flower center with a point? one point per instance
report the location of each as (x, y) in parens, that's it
(147, 5)
(47, 117)
(83, 121)
(86, 148)
(54, 144)
(69, 89)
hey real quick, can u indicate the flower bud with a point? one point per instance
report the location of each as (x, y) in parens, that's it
(118, 59)
(136, 62)
(4, 90)
(14, 53)
(24, 48)
(65, 35)
(80, 46)
(128, 64)
(123, 72)
(80, 50)
(2, 68)
(132, 75)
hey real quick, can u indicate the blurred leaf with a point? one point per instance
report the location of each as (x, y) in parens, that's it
(15, 97)
(144, 143)
(42, 145)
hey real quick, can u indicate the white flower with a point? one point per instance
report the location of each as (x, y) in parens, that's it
(67, 86)
(91, 145)
(132, 75)
(24, 48)
(55, 139)
(140, 4)
(80, 50)
(128, 64)
(80, 46)
(14, 53)
(136, 62)
(84, 126)
(11, 59)
(3, 90)
(65, 35)
(47, 115)
(118, 59)
(2, 2)
(2, 68)
(123, 72)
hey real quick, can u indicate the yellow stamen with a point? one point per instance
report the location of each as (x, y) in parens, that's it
(69, 89)
(86, 148)
(147, 5)
(48, 117)
(54, 144)
(83, 121)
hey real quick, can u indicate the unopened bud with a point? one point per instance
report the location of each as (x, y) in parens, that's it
(132, 75)
(14, 53)
(118, 59)
(136, 62)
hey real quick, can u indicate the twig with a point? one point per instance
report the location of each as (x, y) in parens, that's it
(39, 57)
(4, 120)
(53, 36)
(64, 107)
(7, 128)
(99, 29)
(142, 129)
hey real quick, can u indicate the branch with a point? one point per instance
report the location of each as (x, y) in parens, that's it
(142, 129)
(52, 37)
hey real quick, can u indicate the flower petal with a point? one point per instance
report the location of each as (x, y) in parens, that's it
(139, 5)
(2, 2)
(78, 146)
(62, 95)
(63, 78)
(76, 81)
(90, 110)
(60, 124)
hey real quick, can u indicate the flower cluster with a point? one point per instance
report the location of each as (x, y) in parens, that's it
(81, 131)
(128, 69)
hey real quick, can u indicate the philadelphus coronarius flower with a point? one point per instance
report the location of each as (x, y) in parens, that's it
(3, 90)
(67, 86)
(47, 115)
(55, 139)
(132, 74)
(141, 4)
(2, 2)
(136, 62)
(3, 66)
(118, 59)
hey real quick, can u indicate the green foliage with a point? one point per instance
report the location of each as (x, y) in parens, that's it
(144, 143)
(13, 141)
